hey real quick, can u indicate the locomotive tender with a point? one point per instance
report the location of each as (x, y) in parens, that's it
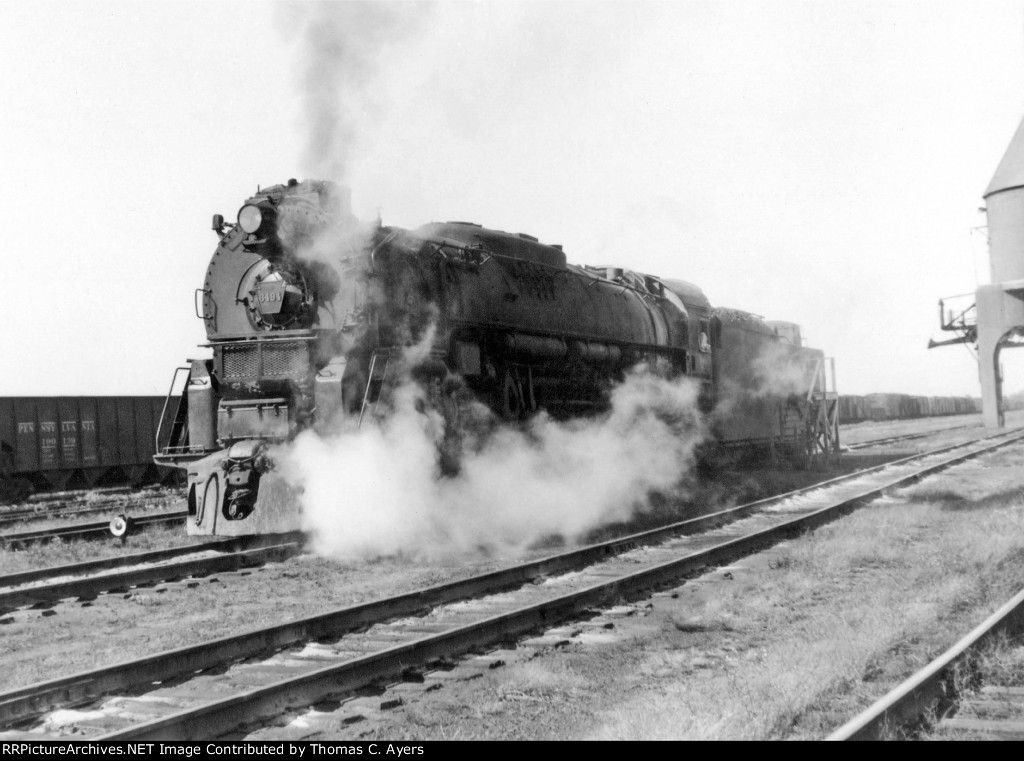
(309, 314)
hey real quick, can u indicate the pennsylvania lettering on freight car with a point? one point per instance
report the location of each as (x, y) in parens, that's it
(103, 441)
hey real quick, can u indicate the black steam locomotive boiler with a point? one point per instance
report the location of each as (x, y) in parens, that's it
(308, 313)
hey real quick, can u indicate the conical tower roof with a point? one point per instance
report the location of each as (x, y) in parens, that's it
(1010, 173)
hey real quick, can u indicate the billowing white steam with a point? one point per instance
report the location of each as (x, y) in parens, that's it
(379, 490)
(780, 371)
(751, 387)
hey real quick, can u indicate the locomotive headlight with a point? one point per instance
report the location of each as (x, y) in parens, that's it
(250, 218)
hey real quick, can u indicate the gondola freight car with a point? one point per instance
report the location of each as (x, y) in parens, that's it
(77, 442)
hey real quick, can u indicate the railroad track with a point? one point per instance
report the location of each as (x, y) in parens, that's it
(71, 495)
(221, 687)
(93, 530)
(65, 504)
(32, 514)
(87, 580)
(933, 699)
(996, 712)
(904, 437)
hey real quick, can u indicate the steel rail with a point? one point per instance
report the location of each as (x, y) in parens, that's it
(60, 502)
(84, 686)
(888, 440)
(93, 585)
(77, 688)
(88, 501)
(928, 688)
(21, 516)
(902, 437)
(87, 530)
(69, 494)
(235, 544)
(118, 561)
(32, 700)
(216, 717)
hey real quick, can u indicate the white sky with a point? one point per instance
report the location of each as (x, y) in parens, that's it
(820, 162)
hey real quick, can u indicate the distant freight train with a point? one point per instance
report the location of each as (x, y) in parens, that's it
(856, 409)
(310, 313)
(77, 442)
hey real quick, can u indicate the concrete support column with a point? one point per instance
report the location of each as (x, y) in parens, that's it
(1000, 310)
(991, 383)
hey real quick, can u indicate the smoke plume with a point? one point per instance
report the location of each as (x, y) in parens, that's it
(380, 490)
(341, 49)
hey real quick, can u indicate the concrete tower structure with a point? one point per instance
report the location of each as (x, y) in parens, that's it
(1000, 306)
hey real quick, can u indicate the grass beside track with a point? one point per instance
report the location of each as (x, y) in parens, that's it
(65, 551)
(999, 663)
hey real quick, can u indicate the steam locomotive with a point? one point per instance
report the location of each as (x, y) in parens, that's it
(310, 315)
